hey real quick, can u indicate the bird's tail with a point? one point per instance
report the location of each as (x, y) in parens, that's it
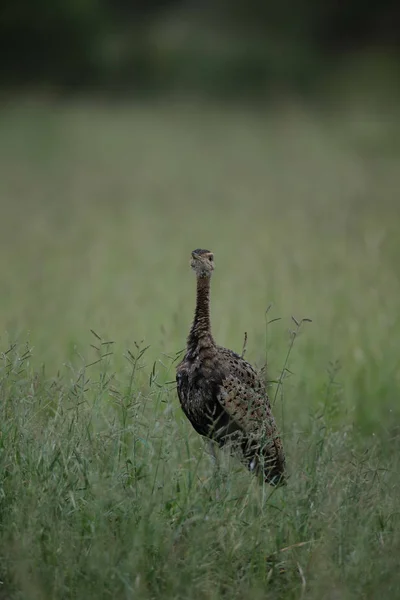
(267, 461)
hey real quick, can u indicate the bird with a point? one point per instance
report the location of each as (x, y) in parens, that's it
(222, 395)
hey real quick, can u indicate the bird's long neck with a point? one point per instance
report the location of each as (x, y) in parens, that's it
(200, 332)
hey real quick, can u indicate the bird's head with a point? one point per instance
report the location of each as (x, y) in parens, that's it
(202, 262)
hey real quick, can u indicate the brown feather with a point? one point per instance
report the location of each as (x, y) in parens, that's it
(222, 395)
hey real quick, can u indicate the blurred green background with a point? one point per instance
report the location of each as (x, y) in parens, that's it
(130, 134)
(101, 207)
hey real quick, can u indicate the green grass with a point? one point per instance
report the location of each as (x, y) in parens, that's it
(105, 491)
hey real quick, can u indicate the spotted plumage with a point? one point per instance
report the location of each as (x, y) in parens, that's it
(221, 394)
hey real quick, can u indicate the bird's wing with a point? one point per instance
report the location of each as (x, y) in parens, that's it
(247, 405)
(249, 409)
(243, 396)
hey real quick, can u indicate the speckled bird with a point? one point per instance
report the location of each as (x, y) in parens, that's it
(222, 395)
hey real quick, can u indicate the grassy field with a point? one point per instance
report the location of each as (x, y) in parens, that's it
(105, 491)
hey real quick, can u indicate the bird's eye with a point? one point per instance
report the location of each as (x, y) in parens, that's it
(211, 258)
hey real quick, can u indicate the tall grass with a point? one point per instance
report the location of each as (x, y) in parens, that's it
(105, 491)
